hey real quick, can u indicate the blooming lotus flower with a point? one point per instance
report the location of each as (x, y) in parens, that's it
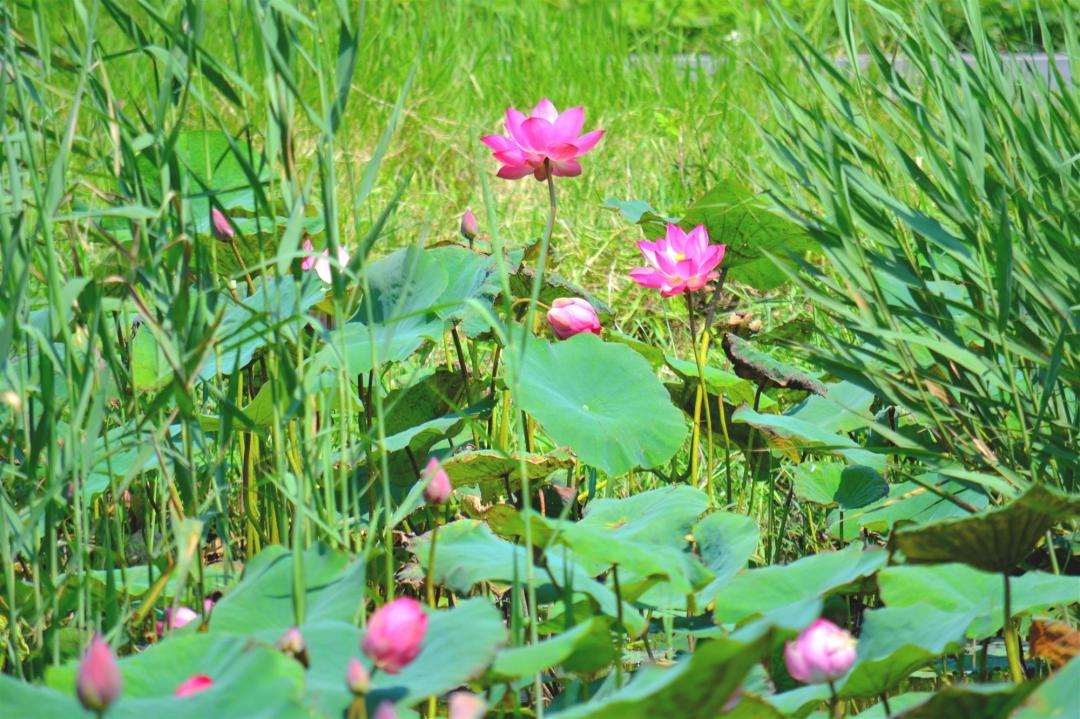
(321, 263)
(823, 652)
(219, 223)
(394, 634)
(357, 677)
(547, 134)
(469, 226)
(569, 316)
(98, 682)
(438, 489)
(466, 705)
(193, 685)
(679, 262)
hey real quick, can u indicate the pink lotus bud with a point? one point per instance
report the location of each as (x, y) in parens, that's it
(823, 652)
(438, 489)
(220, 224)
(385, 710)
(466, 705)
(357, 677)
(469, 227)
(177, 619)
(207, 606)
(569, 316)
(394, 634)
(292, 644)
(193, 685)
(98, 682)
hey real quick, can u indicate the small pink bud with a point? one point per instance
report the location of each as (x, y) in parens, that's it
(220, 223)
(98, 682)
(823, 652)
(193, 685)
(569, 316)
(394, 634)
(182, 616)
(466, 705)
(469, 227)
(438, 488)
(292, 644)
(207, 606)
(357, 677)
(385, 710)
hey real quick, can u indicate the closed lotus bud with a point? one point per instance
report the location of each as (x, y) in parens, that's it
(193, 685)
(469, 227)
(438, 488)
(466, 705)
(292, 644)
(357, 677)
(220, 224)
(98, 682)
(385, 710)
(394, 634)
(822, 653)
(569, 316)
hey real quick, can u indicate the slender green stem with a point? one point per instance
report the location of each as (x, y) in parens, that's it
(1012, 639)
(619, 630)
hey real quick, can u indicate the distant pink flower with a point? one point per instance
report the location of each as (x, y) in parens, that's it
(321, 263)
(823, 652)
(385, 710)
(292, 644)
(438, 489)
(394, 634)
(679, 262)
(466, 705)
(98, 682)
(357, 677)
(219, 223)
(193, 685)
(569, 316)
(546, 134)
(470, 228)
(177, 619)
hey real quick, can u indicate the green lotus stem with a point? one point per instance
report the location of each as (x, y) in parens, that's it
(835, 709)
(619, 630)
(1012, 639)
(429, 583)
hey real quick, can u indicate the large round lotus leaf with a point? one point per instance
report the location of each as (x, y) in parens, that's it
(911, 501)
(758, 591)
(494, 471)
(695, 688)
(725, 542)
(972, 701)
(333, 589)
(1056, 698)
(895, 641)
(250, 680)
(586, 647)
(473, 277)
(960, 589)
(809, 436)
(995, 540)
(834, 483)
(602, 401)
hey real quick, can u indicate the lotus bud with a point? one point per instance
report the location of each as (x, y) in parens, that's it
(193, 685)
(292, 644)
(220, 224)
(98, 682)
(469, 226)
(385, 710)
(569, 316)
(438, 488)
(394, 634)
(466, 705)
(357, 677)
(822, 653)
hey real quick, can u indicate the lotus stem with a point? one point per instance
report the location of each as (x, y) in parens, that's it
(1012, 639)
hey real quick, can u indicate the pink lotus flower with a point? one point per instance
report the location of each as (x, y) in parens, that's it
(292, 644)
(177, 619)
(569, 316)
(470, 228)
(98, 682)
(219, 223)
(385, 710)
(823, 652)
(321, 263)
(394, 634)
(438, 489)
(357, 677)
(679, 262)
(193, 685)
(547, 134)
(466, 705)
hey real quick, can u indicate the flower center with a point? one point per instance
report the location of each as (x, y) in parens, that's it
(679, 257)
